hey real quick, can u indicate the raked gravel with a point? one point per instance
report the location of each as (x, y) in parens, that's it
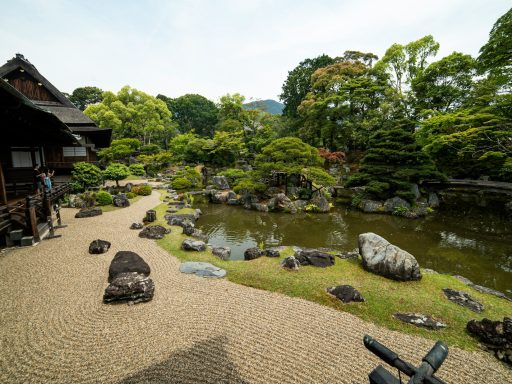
(54, 327)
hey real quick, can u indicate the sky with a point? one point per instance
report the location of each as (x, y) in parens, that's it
(215, 47)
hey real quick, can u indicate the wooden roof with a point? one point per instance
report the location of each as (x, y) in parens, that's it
(24, 123)
(62, 108)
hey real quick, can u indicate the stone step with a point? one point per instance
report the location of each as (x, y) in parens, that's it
(27, 241)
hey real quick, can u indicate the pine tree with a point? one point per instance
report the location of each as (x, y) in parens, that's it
(393, 162)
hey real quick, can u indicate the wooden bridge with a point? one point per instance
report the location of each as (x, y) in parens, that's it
(32, 216)
(495, 187)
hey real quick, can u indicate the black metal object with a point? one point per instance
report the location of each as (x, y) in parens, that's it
(419, 375)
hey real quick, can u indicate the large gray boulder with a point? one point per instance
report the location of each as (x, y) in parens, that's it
(321, 203)
(131, 287)
(385, 259)
(371, 206)
(220, 182)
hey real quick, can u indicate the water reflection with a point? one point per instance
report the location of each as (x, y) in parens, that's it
(478, 247)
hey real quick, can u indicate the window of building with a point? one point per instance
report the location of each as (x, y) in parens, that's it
(21, 157)
(74, 151)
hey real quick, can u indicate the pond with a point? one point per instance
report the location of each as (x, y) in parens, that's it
(475, 244)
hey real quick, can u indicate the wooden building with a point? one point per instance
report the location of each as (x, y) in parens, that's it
(19, 158)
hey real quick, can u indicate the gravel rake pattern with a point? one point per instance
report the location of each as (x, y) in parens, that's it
(54, 327)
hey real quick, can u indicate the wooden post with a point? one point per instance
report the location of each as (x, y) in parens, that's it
(31, 218)
(47, 203)
(3, 192)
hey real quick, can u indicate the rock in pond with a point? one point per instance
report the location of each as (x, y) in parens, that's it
(371, 206)
(127, 261)
(463, 299)
(346, 293)
(496, 336)
(385, 259)
(202, 269)
(120, 200)
(420, 320)
(314, 257)
(395, 202)
(193, 245)
(291, 263)
(154, 232)
(223, 253)
(99, 246)
(252, 253)
(281, 203)
(321, 203)
(131, 287)
(88, 212)
(136, 226)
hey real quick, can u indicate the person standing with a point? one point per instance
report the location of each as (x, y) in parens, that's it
(48, 180)
(38, 183)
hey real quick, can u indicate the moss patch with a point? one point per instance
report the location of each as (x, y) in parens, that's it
(383, 297)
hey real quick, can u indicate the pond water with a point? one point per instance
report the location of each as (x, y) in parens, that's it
(475, 244)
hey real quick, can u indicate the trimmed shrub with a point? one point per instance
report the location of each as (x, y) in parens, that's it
(137, 169)
(142, 190)
(86, 175)
(103, 198)
(130, 195)
(116, 171)
(181, 183)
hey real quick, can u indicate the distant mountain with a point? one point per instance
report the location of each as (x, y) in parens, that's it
(270, 106)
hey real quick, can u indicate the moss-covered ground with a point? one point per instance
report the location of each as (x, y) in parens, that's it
(384, 297)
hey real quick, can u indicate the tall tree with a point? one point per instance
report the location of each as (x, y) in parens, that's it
(84, 96)
(298, 83)
(132, 113)
(193, 112)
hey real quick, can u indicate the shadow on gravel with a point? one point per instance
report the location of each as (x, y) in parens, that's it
(206, 362)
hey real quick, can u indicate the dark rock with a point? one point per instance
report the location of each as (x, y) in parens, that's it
(385, 259)
(420, 320)
(314, 257)
(99, 246)
(482, 289)
(219, 197)
(150, 216)
(193, 245)
(281, 203)
(395, 202)
(233, 202)
(321, 203)
(202, 269)
(223, 253)
(120, 200)
(128, 187)
(271, 252)
(260, 207)
(136, 226)
(495, 336)
(88, 212)
(252, 253)
(154, 232)
(462, 298)
(416, 190)
(127, 261)
(290, 262)
(188, 227)
(220, 182)
(346, 293)
(199, 235)
(181, 219)
(171, 210)
(131, 287)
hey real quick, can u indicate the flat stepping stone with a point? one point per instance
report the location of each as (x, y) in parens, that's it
(420, 320)
(463, 299)
(202, 269)
(88, 212)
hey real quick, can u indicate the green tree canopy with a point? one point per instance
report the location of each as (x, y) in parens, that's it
(116, 171)
(132, 113)
(193, 112)
(84, 96)
(298, 83)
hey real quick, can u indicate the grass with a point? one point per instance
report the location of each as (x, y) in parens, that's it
(110, 208)
(384, 297)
